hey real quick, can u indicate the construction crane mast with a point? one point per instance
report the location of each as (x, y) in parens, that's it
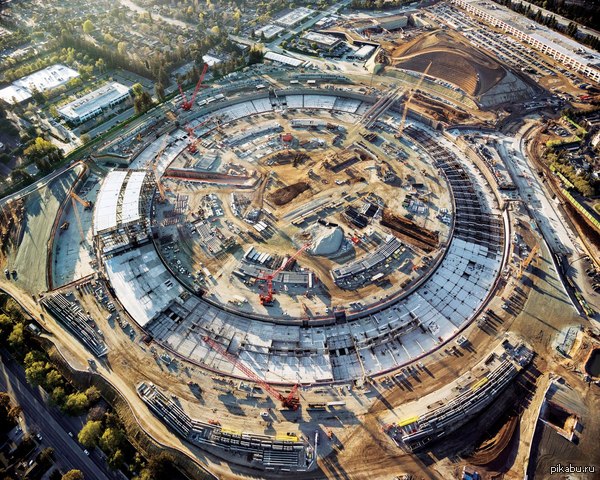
(291, 401)
(267, 297)
(188, 104)
(192, 148)
(409, 99)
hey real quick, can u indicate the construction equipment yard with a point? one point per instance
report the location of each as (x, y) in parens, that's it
(356, 277)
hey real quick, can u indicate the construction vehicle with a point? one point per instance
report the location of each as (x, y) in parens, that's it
(523, 264)
(266, 298)
(409, 99)
(290, 402)
(188, 104)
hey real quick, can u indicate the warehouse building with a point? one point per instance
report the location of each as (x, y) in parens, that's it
(322, 40)
(294, 17)
(94, 103)
(42, 80)
(269, 31)
(565, 50)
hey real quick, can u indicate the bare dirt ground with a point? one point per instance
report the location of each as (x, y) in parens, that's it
(451, 59)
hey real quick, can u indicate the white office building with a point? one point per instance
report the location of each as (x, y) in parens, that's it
(94, 103)
(563, 49)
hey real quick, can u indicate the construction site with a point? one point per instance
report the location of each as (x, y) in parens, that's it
(346, 278)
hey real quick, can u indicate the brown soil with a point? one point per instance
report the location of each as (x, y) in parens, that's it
(409, 231)
(451, 59)
(492, 447)
(285, 195)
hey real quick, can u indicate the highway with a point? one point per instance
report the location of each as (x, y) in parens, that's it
(49, 424)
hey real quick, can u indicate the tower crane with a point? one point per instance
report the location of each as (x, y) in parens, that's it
(267, 297)
(291, 401)
(192, 148)
(409, 99)
(75, 199)
(188, 104)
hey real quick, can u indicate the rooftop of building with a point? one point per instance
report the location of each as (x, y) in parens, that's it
(99, 98)
(556, 40)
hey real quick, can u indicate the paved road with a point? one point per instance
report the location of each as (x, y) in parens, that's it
(48, 423)
(34, 186)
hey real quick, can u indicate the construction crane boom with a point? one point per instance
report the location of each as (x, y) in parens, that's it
(291, 402)
(85, 203)
(188, 104)
(77, 217)
(267, 298)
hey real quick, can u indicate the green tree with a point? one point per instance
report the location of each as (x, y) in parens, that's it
(58, 396)
(256, 54)
(76, 403)
(53, 379)
(90, 434)
(137, 89)
(36, 373)
(38, 96)
(85, 138)
(111, 440)
(32, 357)
(42, 148)
(88, 26)
(92, 394)
(100, 65)
(6, 326)
(142, 103)
(73, 475)
(116, 460)
(16, 339)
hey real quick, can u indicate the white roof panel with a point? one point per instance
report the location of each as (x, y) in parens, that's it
(105, 213)
(131, 197)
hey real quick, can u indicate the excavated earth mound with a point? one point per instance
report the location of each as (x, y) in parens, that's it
(286, 194)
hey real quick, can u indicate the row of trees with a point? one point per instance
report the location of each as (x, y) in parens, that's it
(39, 370)
(104, 429)
(582, 181)
(378, 4)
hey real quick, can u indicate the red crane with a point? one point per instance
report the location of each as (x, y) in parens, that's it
(188, 104)
(267, 298)
(192, 148)
(291, 402)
